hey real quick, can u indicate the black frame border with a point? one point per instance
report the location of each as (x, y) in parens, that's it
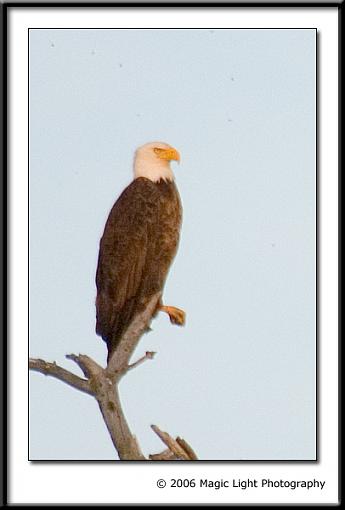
(4, 7)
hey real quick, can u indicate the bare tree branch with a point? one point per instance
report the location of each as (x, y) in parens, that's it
(164, 455)
(102, 384)
(187, 448)
(178, 447)
(54, 370)
(111, 409)
(88, 366)
(148, 355)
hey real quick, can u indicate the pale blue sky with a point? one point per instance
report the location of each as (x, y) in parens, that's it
(238, 382)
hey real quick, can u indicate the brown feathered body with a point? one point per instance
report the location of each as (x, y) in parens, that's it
(139, 242)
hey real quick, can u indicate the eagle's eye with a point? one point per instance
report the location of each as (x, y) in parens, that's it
(158, 151)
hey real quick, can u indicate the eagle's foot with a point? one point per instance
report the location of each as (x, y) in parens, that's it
(176, 315)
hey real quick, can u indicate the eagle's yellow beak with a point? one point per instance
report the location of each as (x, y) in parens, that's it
(168, 154)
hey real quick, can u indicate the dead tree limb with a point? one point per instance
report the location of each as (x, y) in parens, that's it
(178, 448)
(102, 384)
(52, 369)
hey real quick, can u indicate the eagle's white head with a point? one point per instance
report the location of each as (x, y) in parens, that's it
(152, 161)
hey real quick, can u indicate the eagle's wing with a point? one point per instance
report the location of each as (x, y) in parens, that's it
(127, 238)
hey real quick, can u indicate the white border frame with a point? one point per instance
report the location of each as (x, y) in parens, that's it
(136, 483)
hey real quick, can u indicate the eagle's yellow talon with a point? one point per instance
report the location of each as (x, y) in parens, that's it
(176, 315)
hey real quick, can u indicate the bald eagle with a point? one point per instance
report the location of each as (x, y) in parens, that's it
(138, 245)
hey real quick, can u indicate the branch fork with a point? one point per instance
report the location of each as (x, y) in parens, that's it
(102, 384)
